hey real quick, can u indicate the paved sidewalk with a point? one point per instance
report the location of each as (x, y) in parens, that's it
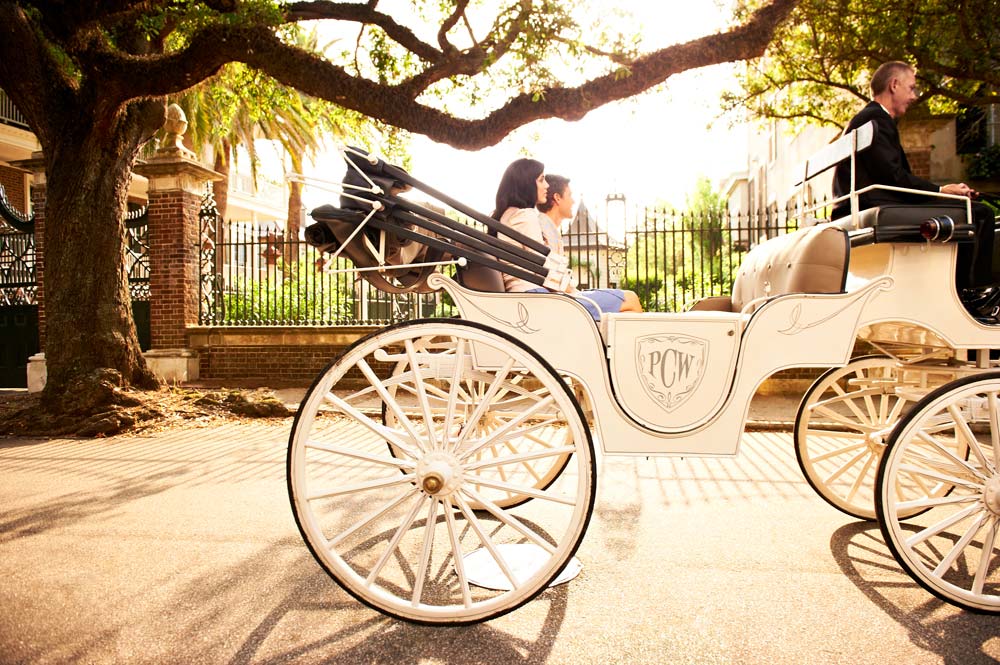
(181, 548)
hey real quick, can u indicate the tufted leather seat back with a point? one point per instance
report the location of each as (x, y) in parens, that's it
(810, 260)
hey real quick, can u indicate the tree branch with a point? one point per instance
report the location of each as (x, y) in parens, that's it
(259, 47)
(30, 75)
(366, 15)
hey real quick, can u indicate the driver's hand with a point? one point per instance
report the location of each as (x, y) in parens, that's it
(958, 189)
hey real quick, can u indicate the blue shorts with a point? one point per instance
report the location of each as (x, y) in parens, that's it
(608, 301)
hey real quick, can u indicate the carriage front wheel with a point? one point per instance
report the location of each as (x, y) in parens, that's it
(942, 460)
(399, 526)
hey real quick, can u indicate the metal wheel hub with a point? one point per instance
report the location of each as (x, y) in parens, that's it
(439, 473)
(991, 494)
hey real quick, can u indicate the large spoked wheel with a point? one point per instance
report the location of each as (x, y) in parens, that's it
(841, 428)
(404, 527)
(942, 460)
(514, 393)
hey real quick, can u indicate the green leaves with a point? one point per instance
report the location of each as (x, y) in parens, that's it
(818, 65)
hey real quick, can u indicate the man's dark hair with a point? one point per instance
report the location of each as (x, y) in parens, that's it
(557, 185)
(885, 73)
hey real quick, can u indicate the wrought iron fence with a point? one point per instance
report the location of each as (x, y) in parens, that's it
(674, 258)
(253, 275)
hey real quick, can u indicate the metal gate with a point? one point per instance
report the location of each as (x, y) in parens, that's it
(19, 288)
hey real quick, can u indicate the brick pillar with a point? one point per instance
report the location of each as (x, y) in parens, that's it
(177, 184)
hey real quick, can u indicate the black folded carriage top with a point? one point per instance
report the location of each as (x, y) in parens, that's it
(396, 243)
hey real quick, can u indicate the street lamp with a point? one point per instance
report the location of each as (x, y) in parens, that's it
(614, 213)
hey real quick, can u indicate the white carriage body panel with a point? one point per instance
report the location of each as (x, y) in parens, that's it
(800, 330)
(923, 307)
(672, 372)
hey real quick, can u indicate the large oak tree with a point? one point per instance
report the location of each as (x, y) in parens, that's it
(92, 76)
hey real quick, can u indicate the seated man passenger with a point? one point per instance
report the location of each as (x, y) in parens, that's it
(522, 188)
(894, 89)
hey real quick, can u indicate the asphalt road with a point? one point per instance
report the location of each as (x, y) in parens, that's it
(181, 548)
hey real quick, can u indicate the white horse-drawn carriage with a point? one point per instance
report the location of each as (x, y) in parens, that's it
(444, 471)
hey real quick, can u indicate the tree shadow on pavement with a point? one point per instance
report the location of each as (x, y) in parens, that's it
(299, 614)
(957, 636)
(75, 507)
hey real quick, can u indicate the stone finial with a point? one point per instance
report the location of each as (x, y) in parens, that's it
(176, 122)
(175, 125)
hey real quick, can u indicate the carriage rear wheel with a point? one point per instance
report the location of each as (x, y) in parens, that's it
(942, 460)
(401, 526)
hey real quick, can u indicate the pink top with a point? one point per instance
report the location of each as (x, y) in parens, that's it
(537, 226)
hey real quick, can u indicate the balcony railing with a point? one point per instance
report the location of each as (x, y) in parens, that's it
(9, 114)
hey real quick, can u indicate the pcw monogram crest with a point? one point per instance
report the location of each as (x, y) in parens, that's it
(670, 367)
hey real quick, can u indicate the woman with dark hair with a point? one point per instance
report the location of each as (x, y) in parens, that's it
(522, 187)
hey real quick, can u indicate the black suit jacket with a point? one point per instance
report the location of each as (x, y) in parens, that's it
(883, 163)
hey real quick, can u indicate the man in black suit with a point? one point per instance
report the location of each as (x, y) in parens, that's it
(894, 89)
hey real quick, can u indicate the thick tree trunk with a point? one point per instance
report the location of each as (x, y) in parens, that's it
(88, 309)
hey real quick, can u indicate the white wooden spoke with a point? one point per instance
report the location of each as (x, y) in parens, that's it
(388, 399)
(494, 435)
(390, 548)
(916, 480)
(960, 546)
(963, 428)
(370, 518)
(520, 457)
(994, 409)
(986, 557)
(500, 432)
(883, 411)
(509, 519)
(456, 382)
(381, 483)
(456, 553)
(425, 552)
(893, 416)
(484, 403)
(843, 468)
(357, 454)
(941, 525)
(952, 457)
(862, 475)
(378, 429)
(861, 424)
(931, 502)
(486, 540)
(479, 481)
(421, 393)
(838, 452)
(935, 475)
(523, 464)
